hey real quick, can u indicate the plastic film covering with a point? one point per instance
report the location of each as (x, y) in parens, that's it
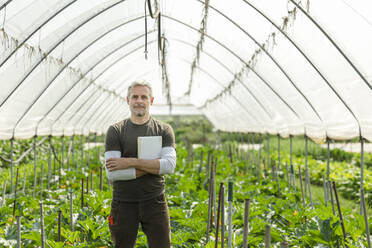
(288, 67)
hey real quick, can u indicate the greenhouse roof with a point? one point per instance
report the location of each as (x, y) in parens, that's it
(287, 67)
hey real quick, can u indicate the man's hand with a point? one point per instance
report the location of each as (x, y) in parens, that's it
(140, 173)
(113, 164)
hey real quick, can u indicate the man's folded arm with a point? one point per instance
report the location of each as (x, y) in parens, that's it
(167, 160)
(124, 174)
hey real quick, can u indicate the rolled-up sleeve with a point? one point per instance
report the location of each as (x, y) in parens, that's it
(167, 160)
(125, 174)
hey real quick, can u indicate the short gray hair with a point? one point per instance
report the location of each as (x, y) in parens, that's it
(139, 83)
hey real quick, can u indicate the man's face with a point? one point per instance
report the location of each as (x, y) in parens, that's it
(139, 100)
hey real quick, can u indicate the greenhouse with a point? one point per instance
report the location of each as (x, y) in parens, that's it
(263, 97)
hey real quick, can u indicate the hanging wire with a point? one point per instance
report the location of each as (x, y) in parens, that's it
(146, 52)
(4, 18)
(199, 45)
(154, 15)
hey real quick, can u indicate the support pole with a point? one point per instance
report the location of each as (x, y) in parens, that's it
(219, 213)
(42, 226)
(49, 161)
(210, 200)
(35, 160)
(268, 151)
(362, 199)
(223, 218)
(100, 178)
(88, 152)
(246, 219)
(291, 163)
(214, 193)
(82, 152)
(302, 188)
(229, 218)
(4, 191)
(24, 182)
(18, 231)
(278, 152)
(11, 165)
(339, 210)
(59, 225)
(308, 183)
(287, 172)
(326, 193)
(71, 213)
(267, 236)
(62, 152)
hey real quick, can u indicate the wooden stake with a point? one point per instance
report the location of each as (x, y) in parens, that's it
(82, 193)
(223, 218)
(286, 169)
(302, 188)
(18, 231)
(4, 191)
(362, 199)
(339, 211)
(15, 193)
(218, 214)
(35, 161)
(100, 178)
(210, 202)
(246, 219)
(325, 192)
(59, 225)
(42, 226)
(71, 213)
(267, 236)
(11, 166)
(229, 218)
(87, 184)
(91, 180)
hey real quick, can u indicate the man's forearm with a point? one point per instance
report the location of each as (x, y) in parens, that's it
(140, 173)
(151, 166)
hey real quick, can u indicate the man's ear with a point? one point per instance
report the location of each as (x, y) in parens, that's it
(128, 100)
(152, 100)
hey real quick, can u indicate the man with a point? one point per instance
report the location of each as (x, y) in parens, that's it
(138, 197)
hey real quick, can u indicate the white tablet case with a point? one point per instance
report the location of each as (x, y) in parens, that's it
(149, 147)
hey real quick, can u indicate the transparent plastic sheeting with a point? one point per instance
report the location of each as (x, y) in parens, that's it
(285, 67)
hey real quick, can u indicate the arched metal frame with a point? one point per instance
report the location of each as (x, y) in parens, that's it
(228, 50)
(270, 56)
(100, 74)
(221, 85)
(34, 31)
(292, 42)
(90, 69)
(68, 63)
(45, 55)
(308, 60)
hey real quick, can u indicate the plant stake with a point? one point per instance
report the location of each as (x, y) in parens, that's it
(42, 226)
(18, 231)
(246, 218)
(302, 189)
(4, 189)
(218, 214)
(71, 211)
(267, 236)
(229, 218)
(59, 225)
(339, 211)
